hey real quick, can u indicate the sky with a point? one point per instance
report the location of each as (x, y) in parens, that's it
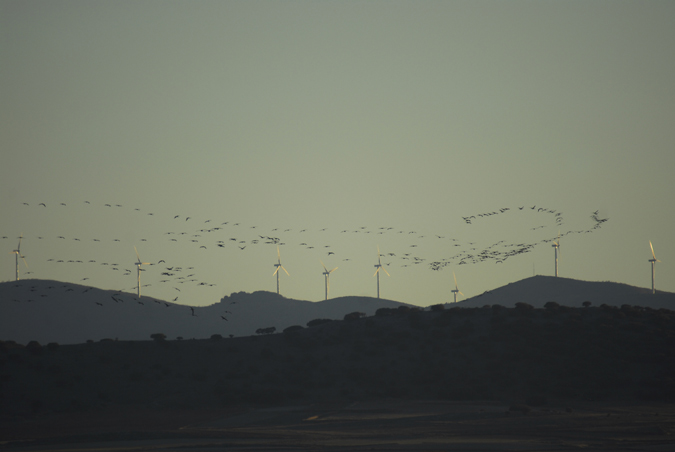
(459, 137)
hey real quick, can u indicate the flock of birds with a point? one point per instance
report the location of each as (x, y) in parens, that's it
(206, 235)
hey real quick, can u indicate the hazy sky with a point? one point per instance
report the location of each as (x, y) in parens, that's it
(298, 120)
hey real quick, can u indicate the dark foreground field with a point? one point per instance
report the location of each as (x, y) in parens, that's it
(545, 379)
(380, 425)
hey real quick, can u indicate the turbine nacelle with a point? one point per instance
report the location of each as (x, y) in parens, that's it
(138, 264)
(326, 273)
(653, 261)
(279, 266)
(17, 253)
(456, 290)
(377, 272)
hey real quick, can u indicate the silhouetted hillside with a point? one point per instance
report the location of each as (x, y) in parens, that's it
(52, 311)
(512, 354)
(539, 290)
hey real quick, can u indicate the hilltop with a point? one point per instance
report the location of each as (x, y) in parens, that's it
(52, 311)
(538, 290)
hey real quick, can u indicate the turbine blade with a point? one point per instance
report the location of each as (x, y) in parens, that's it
(137, 256)
(650, 245)
(333, 270)
(460, 293)
(385, 270)
(278, 253)
(275, 271)
(24, 261)
(324, 267)
(285, 270)
(378, 269)
(455, 276)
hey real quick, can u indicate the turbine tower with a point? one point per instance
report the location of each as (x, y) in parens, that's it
(377, 272)
(326, 277)
(17, 255)
(456, 289)
(138, 264)
(278, 266)
(653, 260)
(556, 245)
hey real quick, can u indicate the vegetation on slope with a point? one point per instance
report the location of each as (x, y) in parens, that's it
(512, 354)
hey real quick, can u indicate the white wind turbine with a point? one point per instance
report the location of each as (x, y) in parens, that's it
(138, 271)
(653, 260)
(377, 272)
(326, 275)
(17, 253)
(456, 291)
(556, 245)
(278, 266)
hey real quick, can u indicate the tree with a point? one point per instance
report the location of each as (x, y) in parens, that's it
(158, 337)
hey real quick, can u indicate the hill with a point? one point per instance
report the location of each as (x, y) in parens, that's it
(52, 311)
(538, 290)
(521, 354)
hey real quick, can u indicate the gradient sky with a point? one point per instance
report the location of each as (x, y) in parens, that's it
(299, 120)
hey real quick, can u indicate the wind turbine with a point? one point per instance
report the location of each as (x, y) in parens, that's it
(456, 291)
(278, 266)
(556, 245)
(326, 275)
(138, 271)
(17, 253)
(653, 260)
(377, 272)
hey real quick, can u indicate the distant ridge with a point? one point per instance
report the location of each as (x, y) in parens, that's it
(53, 311)
(538, 290)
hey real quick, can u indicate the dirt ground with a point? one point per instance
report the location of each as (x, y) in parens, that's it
(383, 425)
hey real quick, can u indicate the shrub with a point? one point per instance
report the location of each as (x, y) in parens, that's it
(437, 307)
(384, 312)
(34, 348)
(268, 330)
(216, 337)
(317, 322)
(158, 337)
(293, 328)
(354, 316)
(551, 305)
(586, 304)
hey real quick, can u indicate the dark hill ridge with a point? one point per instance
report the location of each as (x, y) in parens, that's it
(521, 355)
(52, 311)
(538, 290)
